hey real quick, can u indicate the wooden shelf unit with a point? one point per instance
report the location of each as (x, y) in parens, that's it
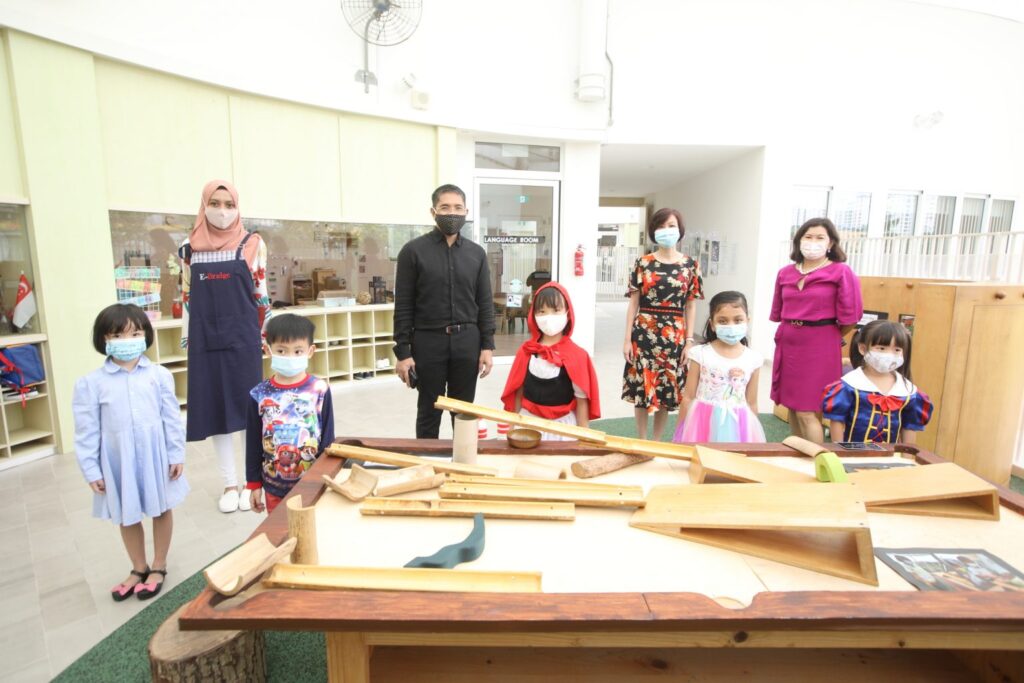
(26, 431)
(349, 340)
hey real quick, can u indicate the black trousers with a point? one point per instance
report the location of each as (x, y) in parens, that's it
(446, 365)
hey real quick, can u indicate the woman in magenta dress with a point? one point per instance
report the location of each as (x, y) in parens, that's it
(817, 301)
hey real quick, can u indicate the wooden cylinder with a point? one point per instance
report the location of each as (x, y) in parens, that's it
(464, 439)
(531, 469)
(603, 464)
(177, 656)
(302, 527)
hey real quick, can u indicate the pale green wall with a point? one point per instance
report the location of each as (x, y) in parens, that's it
(53, 89)
(80, 135)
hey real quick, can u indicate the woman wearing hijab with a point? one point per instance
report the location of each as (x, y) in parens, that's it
(226, 306)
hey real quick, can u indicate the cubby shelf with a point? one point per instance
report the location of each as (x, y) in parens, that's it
(349, 340)
(26, 429)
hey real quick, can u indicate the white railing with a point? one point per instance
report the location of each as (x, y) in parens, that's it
(613, 267)
(987, 257)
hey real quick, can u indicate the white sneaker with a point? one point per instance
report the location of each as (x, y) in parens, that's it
(244, 500)
(229, 501)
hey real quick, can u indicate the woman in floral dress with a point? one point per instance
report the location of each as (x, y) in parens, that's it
(663, 290)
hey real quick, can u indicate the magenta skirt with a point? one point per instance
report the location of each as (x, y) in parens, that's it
(807, 359)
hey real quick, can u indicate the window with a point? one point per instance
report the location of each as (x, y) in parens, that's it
(971, 222)
(1002, 215)
(850, 212)
(15, 260)
(808, 202)
(900, 214)
(514, 157)
(937, 214)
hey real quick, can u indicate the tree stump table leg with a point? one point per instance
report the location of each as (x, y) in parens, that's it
(176, 655)
(348, 658)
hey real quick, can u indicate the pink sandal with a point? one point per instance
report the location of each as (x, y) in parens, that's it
(145, 591)
(122, 592)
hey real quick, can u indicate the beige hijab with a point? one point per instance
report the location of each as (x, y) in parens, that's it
(205, 237)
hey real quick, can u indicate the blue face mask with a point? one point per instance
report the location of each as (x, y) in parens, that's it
(666, 237)
(126, 349)
(731, 334)
(289, 366)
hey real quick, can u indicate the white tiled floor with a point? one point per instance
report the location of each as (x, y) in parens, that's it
(57, 563)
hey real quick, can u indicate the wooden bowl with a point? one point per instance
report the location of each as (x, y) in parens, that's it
(523, 438)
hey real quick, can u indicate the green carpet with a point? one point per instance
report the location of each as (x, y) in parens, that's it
(122, 655)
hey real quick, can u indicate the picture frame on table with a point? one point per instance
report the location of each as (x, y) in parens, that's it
(952, 569)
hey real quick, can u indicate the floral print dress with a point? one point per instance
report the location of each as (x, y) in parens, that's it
(655, 378)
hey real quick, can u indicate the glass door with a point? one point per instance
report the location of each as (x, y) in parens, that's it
(517, 223)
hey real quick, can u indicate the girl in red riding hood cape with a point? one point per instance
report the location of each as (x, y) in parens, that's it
(551, 376)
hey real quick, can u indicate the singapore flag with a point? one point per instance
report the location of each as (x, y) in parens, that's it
(25, 304)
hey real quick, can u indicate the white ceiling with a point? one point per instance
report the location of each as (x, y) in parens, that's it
(639, 170)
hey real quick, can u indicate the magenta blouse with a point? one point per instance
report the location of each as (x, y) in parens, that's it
(832, 292)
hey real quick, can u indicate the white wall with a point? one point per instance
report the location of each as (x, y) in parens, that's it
(727, 200)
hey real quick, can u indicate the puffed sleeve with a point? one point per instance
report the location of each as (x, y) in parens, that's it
(636, 278)
(918, 411)
(776, 315)
(837, 401)
(849, 306)
(86, 408)
(696, 287)
(170, 414)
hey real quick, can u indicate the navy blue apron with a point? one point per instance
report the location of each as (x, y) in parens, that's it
(225, 357)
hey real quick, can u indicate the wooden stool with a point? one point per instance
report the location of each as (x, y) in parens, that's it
(176, 655)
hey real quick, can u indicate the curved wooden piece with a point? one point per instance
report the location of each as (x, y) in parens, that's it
(465, 550)
(231, 573)
(302, 528)
(359, 485)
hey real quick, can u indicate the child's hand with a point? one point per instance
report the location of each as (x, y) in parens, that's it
(176, 470)
(256, 498)
(98, 486)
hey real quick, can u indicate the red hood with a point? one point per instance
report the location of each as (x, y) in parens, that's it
(535, 332)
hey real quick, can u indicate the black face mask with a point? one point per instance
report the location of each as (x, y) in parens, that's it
(450, 224)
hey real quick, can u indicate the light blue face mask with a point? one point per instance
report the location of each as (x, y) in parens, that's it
(289, 366)
(126, 349)
(666, 237)
(731, 334)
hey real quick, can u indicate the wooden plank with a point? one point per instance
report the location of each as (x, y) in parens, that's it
(231, 573)
(814, 526)
(492, 509)
(561, 484)
(406, 480)
(928, 490)
(606, 464)
(403, 460)
(736, 467)
(660, 449)
(348, 658)
(503, 416)
(624, 496)
(320, 577)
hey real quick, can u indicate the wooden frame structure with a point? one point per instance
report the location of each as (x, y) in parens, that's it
(985, 631)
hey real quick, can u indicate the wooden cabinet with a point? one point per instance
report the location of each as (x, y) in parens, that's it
(967, 356)
(26, 429)
(352, 342)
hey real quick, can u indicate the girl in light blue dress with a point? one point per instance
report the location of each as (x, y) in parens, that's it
(130, 443)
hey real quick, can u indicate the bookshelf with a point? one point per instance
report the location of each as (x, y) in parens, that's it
(26, 430)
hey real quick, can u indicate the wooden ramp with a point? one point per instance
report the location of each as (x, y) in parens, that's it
(942, 490)
(709, 463)
(819, 527)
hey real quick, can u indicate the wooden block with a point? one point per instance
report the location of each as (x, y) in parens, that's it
(403, 460)
(302, 528)
(417, 478)
(605, 464)
(816, 527)
(623, 496)
(531, 469)
(505, 417)
(179, 656)
(401, 579)
(660, 449)
(943, 489)
(802, 445)
(491, 509)
(359, 485)
(709, 462)
(231, 573)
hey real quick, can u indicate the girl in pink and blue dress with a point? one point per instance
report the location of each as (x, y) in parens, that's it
(877, 402)
(130, 443)
(720, 399)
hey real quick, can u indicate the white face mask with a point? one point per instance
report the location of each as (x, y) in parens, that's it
(221, 218)
(552, 324)
(883, 361)
(812, 251)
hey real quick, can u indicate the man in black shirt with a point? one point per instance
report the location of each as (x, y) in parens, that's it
(444, 312)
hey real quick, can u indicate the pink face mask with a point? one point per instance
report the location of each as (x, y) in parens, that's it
(221, 218)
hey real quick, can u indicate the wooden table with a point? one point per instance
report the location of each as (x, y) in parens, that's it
(634, 623)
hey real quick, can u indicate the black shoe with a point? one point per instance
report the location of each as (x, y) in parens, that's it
(145, 591)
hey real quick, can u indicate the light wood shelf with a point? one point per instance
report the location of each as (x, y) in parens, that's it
(27, 429)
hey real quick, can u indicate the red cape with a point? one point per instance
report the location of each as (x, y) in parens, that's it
(565, 353)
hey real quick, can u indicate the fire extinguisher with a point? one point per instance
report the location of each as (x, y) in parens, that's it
(578, 261)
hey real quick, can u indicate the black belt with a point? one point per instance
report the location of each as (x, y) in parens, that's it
(663, 309)
(812, 323)
(454, 328)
